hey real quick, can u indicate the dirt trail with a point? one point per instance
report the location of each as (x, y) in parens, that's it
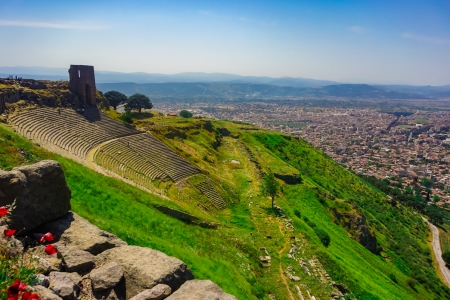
(90, 157)
(280, 253)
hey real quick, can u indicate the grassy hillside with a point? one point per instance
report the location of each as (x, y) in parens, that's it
(229, 254)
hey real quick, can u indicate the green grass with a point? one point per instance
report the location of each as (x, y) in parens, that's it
(229, 255)
(128, 212)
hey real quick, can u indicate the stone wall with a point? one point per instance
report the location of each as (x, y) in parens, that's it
(82, 261)
(8, 96)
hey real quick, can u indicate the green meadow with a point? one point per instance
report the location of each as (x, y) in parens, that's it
(230, 254)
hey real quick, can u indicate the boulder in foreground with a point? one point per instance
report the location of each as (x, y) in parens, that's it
(199, 290)
(40, 193)
(144, 268)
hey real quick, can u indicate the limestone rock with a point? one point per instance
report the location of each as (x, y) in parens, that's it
(44, 293)
(106, 277)
(144, 268)
(11, 245)
(76, 260)
(356, 225)
(42, 265)
(65, 285)
(40, 192)
(75, 231)
(42, 280)
(199, 290)
(43, 262)
(158, 292)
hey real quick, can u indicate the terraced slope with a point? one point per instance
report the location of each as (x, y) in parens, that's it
(159, 155)
(72, 131)
(209, 191)
(143, 155)
(127, 152)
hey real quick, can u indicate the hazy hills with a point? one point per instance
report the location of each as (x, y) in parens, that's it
(141, 77)
(227, 90)
(229, 85)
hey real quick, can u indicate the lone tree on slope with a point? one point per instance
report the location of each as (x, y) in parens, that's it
(138, 102)
(185, 114)
(115, 98)
(270, 186)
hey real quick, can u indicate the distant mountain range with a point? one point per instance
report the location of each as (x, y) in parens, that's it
(253, 91)
(141, 77)
(230, 85)
(427, 91)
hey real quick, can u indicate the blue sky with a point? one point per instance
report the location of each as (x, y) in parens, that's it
(405, 42)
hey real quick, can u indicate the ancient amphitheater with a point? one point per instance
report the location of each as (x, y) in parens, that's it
(91, 137)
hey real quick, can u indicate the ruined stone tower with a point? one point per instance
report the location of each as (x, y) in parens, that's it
(82, 83)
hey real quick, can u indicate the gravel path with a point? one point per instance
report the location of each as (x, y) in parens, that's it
(438, 252)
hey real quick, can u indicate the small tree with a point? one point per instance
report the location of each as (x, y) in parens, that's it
(115, 98)
(185, 114)
(446, 257)
(138, 102)
(270, 186)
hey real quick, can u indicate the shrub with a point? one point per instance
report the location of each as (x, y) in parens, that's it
(297, 213)
(411, 283)
(323, 236)
(446, 257)
(310, 223)
(393, 278)
(127, 117)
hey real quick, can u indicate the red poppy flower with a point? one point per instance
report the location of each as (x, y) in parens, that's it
(48, 237)
(50, 250)
(9, 232)
(3, 211)
(15, 289)
(30, 296)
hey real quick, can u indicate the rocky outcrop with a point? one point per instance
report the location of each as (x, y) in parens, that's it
(200, 290)
(76, 260)
(356, 225)
(65, 285)
(144, 268)
(158, 292)
(72, 230)
(106, 277)
(39, 193)
(89, 263)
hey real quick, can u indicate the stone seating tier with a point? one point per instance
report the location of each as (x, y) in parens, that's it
(69, 130)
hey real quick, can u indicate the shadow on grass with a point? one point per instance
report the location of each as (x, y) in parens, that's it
(142, 115)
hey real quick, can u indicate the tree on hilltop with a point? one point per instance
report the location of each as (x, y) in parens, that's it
(115, 98)
(185, 114)
(270, 186)
(138, 102)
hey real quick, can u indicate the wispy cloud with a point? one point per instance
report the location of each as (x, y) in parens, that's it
(56, 25)
(422, 38)
(357, 29)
